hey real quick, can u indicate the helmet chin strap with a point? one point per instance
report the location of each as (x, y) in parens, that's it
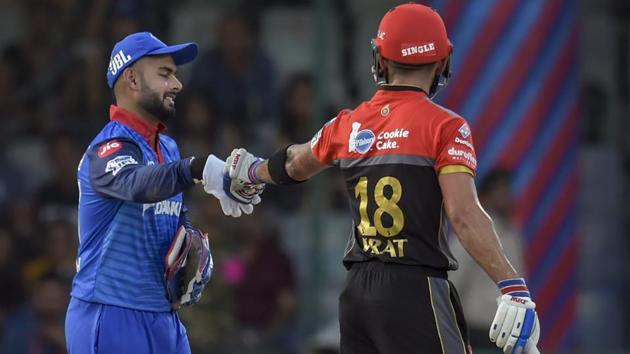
(440, 80)
(378, 74)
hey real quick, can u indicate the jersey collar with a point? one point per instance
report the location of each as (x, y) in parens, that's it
(147, 130)
(389, 87)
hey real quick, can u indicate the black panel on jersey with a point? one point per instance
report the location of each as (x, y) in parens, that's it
(422, 240)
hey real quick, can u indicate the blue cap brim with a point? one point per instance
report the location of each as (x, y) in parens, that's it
(181, 53)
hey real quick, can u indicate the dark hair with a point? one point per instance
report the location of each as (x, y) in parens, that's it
(409, 67)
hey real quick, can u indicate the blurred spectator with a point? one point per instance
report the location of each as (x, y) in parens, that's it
(11, 183)
(22, 149)
(23, 225)
(58, 255)
(297, 109)
(478, 292)
(126, 17)
(58, 197)
(14, 73)
(594, 111)
(298, 124)
(239, 77)
(194, 128)
(324, 341)
(264, 289)
(39, 327)
(130, 16)
(12, 294)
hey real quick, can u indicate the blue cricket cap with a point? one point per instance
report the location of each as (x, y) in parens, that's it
(140, 44)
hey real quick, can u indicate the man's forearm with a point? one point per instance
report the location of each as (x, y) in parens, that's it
(476, 232)
(299, 165)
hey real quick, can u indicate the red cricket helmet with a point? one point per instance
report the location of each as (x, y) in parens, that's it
(412, 34)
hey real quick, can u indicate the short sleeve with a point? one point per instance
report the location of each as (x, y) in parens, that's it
(455, 150)
(326, 143)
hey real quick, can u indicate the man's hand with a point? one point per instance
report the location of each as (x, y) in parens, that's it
(240, 181)
(213, 183)
(188, 267)
(515, 327)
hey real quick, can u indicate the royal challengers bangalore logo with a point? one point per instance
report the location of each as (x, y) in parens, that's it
(385, 110)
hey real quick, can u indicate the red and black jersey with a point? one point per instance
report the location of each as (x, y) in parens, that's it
(391, 150)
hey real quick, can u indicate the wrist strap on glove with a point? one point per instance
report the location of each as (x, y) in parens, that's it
(514, 287)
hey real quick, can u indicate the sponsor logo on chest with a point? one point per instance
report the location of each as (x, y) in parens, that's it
(362, 141)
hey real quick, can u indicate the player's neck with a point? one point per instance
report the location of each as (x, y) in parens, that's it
(422, 82)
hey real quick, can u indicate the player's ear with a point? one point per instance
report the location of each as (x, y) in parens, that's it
(130, 76)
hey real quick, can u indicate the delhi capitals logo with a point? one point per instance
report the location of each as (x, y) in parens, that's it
(360, 141)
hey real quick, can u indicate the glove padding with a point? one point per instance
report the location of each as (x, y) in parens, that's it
(515, 327)
(240, 182)
(188, 267)
(213, 184)
(241, 191)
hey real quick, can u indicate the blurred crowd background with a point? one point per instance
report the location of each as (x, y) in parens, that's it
(271, 72)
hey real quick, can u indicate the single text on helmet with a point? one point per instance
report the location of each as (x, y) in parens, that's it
(419, 49)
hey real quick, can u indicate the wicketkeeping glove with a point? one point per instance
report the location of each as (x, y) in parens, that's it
(240, 181)
(188, 267)
(515, 327)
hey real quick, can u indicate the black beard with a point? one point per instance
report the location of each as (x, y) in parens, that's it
(152, 103)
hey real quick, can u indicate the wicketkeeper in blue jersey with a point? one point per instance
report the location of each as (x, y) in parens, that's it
(139, 258)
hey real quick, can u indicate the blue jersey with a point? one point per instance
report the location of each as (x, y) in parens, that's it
(130, 206)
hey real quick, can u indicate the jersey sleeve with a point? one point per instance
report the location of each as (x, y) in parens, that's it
(455, 149)
(117, 170)
(326, 143)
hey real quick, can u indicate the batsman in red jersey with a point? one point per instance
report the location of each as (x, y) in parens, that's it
(408, 164)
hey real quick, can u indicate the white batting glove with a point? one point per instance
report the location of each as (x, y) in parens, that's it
(240, 181)
(213, 184)
(515, 328)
